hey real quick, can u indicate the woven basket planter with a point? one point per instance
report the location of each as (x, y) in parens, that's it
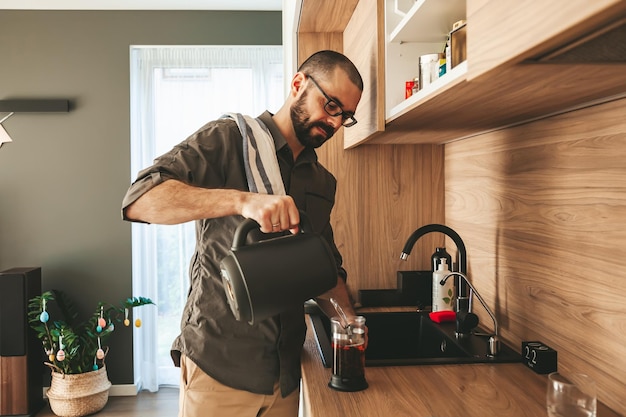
(77, 395)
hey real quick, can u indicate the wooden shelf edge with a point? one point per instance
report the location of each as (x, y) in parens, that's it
(368, 140)
(486, 104)
(456, 76)
(443, 137)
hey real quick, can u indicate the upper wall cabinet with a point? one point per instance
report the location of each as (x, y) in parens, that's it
(385, 39)
(528, 30)
(525, 60)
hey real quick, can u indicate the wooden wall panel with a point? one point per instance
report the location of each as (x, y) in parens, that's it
(542, 210)
(326, 15)
(364, 45)
(384, 193)
(308, 43)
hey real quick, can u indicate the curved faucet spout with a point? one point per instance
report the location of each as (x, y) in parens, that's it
(429, 228)
(463, 299)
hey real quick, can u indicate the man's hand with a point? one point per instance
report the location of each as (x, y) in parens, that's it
(274, 213)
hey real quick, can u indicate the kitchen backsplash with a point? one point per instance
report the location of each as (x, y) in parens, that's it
(542, 210)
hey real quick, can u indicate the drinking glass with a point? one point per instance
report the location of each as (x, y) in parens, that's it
(571, 396)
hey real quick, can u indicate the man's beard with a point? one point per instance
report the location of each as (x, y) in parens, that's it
(304, 129)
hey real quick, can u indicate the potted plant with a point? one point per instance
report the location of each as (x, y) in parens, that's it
(76, 350)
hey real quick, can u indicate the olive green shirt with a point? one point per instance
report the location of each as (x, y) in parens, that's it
(239, 355)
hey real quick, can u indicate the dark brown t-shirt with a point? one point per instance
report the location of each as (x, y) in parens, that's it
(239, 355)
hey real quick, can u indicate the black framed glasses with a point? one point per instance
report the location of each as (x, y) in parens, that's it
(332, 108)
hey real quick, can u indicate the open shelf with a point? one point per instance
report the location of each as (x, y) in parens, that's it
(450, 79)
(428, 21)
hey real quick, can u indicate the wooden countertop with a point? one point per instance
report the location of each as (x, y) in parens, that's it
(480, 390)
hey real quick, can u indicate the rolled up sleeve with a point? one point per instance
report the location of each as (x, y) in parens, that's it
(199, 160)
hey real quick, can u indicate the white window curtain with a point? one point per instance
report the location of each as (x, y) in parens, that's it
(174, 92)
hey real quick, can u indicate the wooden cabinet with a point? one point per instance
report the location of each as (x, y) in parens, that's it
(512, 74)
(385, 43)
(362, 44)
(527, 30)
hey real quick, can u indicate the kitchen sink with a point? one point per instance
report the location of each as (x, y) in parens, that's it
(411, 338)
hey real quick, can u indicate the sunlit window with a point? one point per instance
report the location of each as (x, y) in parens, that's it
(174, 92)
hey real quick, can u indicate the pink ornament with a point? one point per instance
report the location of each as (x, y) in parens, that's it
(61, 355)
(102, 322)
(100, 354)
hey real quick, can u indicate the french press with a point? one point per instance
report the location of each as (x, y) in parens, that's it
(348, 343)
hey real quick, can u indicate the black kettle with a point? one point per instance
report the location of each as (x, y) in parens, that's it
(268, 277)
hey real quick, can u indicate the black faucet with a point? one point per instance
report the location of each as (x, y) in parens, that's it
(463, 298)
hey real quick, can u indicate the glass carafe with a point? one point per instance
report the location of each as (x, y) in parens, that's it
(348, 343)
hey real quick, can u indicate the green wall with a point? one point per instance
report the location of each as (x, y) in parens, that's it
(63, 177)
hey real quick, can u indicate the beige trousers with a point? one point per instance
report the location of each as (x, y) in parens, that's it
(202, 396)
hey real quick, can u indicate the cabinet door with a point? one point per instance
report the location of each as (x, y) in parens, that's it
(364, 44)
(505, 32)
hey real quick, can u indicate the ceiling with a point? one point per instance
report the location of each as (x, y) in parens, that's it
(141, 4)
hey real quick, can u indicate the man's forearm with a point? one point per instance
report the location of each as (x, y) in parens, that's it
(174, 202)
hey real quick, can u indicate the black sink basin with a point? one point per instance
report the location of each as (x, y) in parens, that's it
(411, 338)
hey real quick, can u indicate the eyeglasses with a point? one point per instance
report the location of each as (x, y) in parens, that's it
(334, 109)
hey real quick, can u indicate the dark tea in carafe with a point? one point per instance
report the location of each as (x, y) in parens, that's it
(348, 343)
(349, 361)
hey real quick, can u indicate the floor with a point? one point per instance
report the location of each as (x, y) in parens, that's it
(163, 403)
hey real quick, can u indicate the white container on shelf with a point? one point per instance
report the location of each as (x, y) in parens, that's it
(429, 68)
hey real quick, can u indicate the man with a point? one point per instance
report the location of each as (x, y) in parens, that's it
(231, 368)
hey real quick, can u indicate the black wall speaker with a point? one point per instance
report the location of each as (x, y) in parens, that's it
(21, 353)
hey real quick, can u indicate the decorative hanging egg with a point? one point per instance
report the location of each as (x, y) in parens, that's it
(126, 322)
(102, 322)
(44, 317)
(138, 323)
(100, 354)
(51, 357)
(111, 327)
(95, 367)
(61, 355)
(99, 329)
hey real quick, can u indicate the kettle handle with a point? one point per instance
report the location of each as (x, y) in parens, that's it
(248, 225)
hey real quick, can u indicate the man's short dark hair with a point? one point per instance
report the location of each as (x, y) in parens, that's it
(323, 63)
